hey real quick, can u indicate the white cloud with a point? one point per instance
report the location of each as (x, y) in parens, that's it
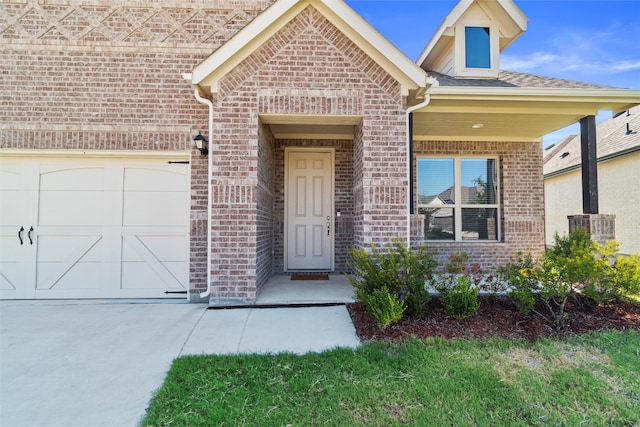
(607, 55)
(626, 66)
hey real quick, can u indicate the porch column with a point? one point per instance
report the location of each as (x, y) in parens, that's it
(589, 165)
(602, 227)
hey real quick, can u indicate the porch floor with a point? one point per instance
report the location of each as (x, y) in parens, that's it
(281, 290)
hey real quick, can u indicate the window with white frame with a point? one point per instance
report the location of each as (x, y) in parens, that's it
(459, 198)
(477, 50)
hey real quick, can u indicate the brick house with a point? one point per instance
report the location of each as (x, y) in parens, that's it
(316, 126)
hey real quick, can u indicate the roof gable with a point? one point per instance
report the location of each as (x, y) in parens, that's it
(444, 52)
(208, 73)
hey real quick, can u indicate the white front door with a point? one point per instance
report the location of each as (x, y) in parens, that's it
(93, 227)
(309, 210)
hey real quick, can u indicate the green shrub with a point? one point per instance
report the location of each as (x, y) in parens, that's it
(458, 286)
(461, 300)
(520, 279)
(385, 308)
(574, 264)
(402, 271)
(627, 275)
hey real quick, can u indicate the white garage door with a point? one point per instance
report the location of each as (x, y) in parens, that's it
(93, 228)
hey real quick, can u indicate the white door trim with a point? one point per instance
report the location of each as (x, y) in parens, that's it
(326, 150)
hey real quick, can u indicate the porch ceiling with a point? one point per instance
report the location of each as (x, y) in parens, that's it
(311, 126)
(473, 114)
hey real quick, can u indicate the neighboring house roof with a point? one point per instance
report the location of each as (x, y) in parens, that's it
(207, 74)
(447, 197)
(615, 137)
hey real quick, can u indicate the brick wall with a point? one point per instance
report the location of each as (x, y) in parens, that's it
(521, 200)
(107, 75)
(308, 67)
(266, 205)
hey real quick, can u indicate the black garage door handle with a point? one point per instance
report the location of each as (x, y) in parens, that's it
(20, 234)
(29, 235)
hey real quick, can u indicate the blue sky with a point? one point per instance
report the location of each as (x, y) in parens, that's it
(595, 41)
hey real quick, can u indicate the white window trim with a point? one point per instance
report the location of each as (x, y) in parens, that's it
(458, 206)
(460, 48)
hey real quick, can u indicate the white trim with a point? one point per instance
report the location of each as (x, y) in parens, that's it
(332, 151)
(250, 38)
(138, 154)
(461, 69)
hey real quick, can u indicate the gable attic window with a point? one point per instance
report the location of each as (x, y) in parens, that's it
(477, 49)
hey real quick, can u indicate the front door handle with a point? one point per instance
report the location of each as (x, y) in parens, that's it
(20, 234)
(29, 235)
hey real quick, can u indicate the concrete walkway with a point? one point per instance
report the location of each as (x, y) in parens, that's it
(98, 363)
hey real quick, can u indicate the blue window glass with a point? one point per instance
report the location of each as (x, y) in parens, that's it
(477, 47)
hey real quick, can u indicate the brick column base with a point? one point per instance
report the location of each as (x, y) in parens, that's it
(602, 227)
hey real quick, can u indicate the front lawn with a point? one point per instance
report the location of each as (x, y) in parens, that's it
(592, 380)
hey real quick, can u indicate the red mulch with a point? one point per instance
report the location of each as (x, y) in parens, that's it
(497, 316)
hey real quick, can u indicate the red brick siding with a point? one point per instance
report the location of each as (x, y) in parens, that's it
(108, 76)
(305, 68)
(266, 205)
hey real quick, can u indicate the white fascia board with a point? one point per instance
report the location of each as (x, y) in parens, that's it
(623, 97)
(515, 13)
(241, 39)
(448, 22)
(342, 16)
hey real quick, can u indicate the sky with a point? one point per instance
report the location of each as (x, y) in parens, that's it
(594, 41)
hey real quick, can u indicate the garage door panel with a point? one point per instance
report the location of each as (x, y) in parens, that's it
(60, 176)
(54, 276)
(154, 209)
(69, 262)
(57, 248)
(72, 208)
(164, 248)
(142, 275)
(103, 228)
(175, 179)
(153, 262)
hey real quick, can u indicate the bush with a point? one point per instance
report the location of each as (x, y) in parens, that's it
(401, 271)
(574, 264)
(458, 286)
(520, 279)
(461, 300)
(385, 308)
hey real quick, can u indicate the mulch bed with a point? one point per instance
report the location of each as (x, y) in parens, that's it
(498, 317)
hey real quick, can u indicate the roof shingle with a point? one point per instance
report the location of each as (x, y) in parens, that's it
(612, 138)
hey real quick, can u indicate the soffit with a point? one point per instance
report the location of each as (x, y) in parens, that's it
(207, 74)
(311, 126)
(507, 114)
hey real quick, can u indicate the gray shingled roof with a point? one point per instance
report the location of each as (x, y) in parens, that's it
(611, 139)
(514, 79)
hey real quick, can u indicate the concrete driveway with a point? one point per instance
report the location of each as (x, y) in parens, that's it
(99, 363)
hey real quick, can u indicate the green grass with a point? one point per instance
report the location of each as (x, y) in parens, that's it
(593, 380)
